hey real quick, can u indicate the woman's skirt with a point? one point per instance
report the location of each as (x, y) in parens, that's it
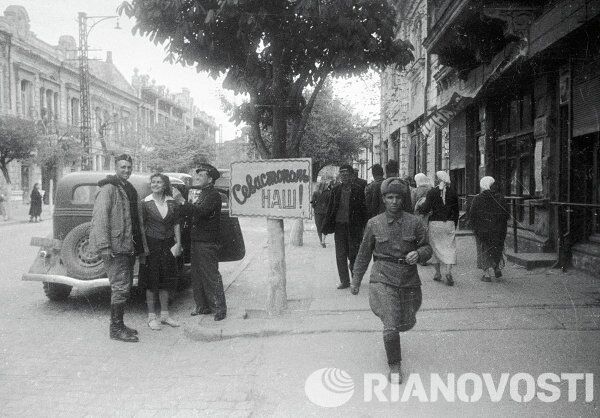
(442, 241)
(319, 219)
(397, 307)
(489, 253)
(160, 270)
(35, 209)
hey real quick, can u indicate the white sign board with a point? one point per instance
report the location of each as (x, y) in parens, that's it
(271, 188)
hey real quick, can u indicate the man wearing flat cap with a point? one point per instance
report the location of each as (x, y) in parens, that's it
(397, 242)
(203, 211)
(346, 218)
(116, 235)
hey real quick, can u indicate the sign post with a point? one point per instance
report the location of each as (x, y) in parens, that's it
(273, 189)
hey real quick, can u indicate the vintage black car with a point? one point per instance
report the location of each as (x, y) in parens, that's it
(64, 260)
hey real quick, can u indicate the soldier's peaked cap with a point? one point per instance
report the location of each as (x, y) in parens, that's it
(212, 172)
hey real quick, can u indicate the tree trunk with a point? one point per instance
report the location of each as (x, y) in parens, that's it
(277, 298)
(4, 169)
(297, 234)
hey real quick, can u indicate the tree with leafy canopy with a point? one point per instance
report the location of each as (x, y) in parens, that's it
(18, 141)
(175, 149)
(334, 135)
(272, 50)
(58, 147)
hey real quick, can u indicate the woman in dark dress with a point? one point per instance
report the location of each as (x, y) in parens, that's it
(319, 202)
(160, 273)
(35, 208)
(488, 216)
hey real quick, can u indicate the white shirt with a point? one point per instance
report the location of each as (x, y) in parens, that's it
(162, 207)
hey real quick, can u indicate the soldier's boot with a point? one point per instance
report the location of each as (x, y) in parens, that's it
(391, 342)
(117, 327)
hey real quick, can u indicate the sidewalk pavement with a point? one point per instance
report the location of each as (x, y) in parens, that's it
(18, 213)
(523, 300)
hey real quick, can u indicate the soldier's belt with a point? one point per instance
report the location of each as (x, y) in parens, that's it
(391, 259)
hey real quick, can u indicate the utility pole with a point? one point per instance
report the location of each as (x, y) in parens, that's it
(84, 85)
(84, 91)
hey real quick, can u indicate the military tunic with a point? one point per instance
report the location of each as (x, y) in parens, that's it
(395, 286)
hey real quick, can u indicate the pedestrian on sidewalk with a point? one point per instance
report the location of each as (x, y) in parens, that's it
(488, 216)
(373, 198)
(360, 181)
(35, 205)
(117, 235)
(163, 235)
(441, 203)
(203, 210)
(319, 202)
(397, 242)
(3, 212)
(346, 218)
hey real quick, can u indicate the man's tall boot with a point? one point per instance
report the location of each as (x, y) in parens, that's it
(391, 342)
(117, 327)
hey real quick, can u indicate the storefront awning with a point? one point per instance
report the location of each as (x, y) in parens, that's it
(464, 92)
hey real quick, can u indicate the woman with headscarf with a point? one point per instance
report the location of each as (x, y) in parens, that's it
(441, 202)
(396, 241)
(419, 193)
(489, 215)
(35, 208)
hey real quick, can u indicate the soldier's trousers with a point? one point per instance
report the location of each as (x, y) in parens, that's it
(207, 282)
(119, 269)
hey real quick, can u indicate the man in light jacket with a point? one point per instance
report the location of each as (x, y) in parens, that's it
(116, 234)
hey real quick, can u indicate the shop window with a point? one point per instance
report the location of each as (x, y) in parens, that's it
(514, 166)
(515, 114)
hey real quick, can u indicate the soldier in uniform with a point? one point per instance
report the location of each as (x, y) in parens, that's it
(397, 242)
(204, 213)
(116, 234)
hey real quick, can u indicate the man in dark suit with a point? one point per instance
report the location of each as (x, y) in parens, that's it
(346, 217)
(373, 197)
(204, 210)
(361, 182)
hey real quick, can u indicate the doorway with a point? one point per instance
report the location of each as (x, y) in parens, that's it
(585, 185)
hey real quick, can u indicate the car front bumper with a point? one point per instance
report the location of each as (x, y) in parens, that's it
(66, 280)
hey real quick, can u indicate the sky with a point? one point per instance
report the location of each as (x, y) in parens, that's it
(49, 19)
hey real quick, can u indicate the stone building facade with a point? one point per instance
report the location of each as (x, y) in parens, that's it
(513, 93)
(40, 82)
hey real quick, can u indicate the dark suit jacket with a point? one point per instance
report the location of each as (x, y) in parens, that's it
(357, 208)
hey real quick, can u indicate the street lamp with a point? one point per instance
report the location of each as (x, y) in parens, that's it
(84, 83)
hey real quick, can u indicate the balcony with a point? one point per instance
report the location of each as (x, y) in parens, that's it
(467, 33)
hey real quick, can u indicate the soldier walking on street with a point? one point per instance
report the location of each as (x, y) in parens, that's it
(397, 242)
(116, 234)
(204, 212)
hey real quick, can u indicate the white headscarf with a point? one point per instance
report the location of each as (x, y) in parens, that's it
(486, 182)
(444, 179)
(422, 180)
